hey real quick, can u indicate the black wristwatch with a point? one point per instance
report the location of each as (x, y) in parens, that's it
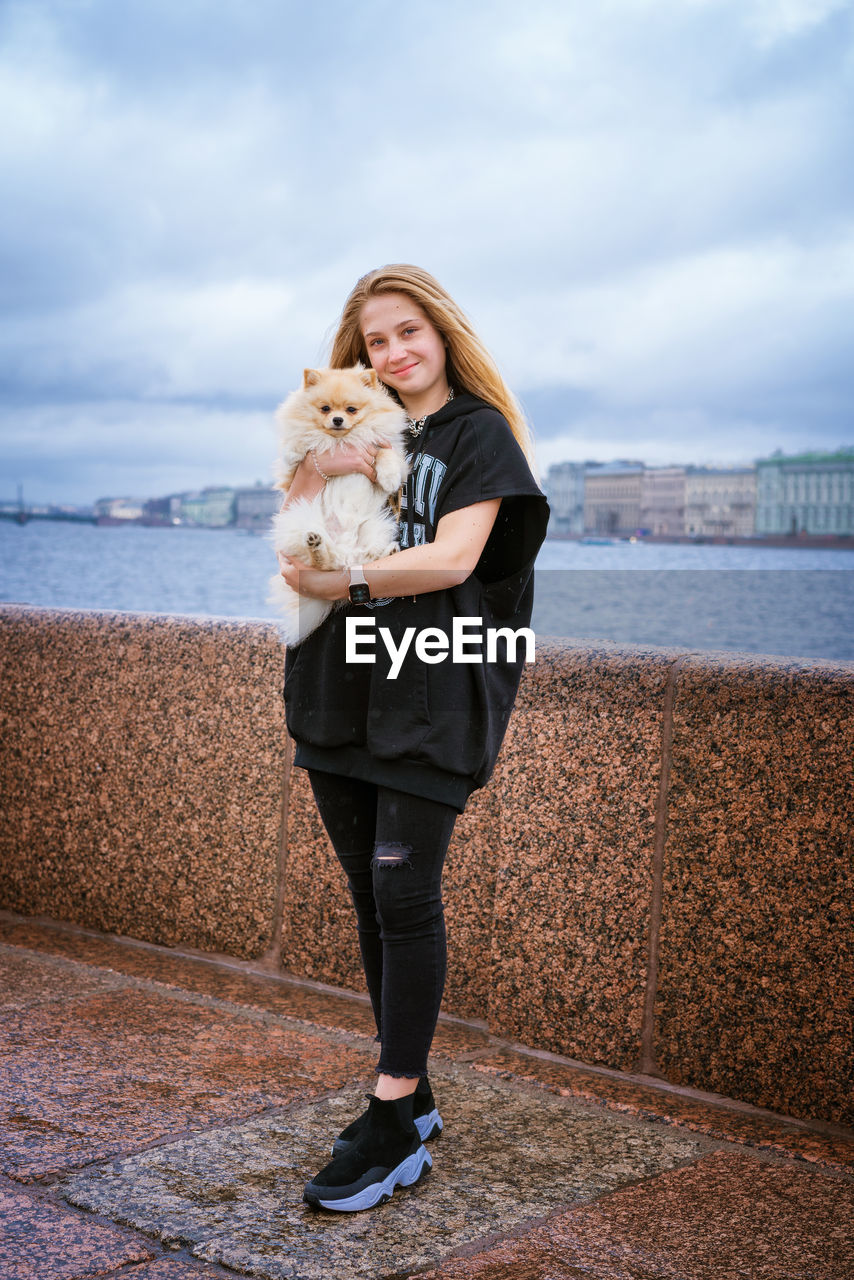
(360, 592)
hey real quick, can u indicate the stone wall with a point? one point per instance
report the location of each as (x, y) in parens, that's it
(657, 879)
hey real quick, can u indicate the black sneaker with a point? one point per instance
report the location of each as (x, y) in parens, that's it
(428, 1122)
(387, 1153)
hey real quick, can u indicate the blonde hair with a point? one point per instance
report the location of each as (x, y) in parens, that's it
(470, 366)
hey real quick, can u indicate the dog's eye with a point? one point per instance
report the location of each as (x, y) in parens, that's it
(324, 408)
(352, 409)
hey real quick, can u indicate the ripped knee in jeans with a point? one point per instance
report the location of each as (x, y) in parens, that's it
(388, 857)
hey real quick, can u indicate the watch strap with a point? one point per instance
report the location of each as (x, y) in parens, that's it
(359, 591)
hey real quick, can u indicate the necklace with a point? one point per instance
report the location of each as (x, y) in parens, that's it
(415, 428)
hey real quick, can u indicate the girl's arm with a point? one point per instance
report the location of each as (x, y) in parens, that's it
(348, 458)
(445, 562)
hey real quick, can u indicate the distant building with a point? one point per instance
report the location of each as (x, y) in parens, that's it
(157, 511)
(612, 497)
(806, 493)
(564, 487)
(720, 502)
(255, 507)
(213, 508)
(662, 501)
(118, 508)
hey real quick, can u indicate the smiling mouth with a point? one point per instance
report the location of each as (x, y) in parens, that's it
(405, 369)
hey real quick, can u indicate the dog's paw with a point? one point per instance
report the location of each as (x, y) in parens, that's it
(313, 540)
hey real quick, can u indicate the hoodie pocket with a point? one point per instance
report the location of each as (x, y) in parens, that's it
(399, 716)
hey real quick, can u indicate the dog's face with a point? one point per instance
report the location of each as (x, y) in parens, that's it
(340, 401)
(334, 406)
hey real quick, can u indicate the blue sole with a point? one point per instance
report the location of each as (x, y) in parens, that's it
(429, 1126)
(406, 1173)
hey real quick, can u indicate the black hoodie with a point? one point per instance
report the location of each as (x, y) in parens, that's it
(435, 729)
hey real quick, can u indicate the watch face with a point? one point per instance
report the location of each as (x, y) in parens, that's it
(360, 593)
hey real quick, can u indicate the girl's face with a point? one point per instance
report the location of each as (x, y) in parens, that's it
(407, 351)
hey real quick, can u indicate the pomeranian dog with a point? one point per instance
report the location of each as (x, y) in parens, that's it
(350, 521)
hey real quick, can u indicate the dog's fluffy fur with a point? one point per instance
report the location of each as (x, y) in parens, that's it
(350, 521)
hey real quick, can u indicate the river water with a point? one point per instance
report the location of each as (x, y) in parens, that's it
(793, 602)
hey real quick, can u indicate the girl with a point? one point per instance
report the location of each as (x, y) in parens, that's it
(394, 748)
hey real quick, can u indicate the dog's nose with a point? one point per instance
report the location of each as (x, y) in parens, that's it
(338, 422)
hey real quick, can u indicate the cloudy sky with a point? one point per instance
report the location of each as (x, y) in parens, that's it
(644, 205)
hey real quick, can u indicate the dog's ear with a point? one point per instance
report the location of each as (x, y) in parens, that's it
(369, 377)
(310, 377)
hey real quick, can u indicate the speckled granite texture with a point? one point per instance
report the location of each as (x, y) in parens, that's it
(234, 1193)
(318, 935)
(756, 957)
(718, 1117)
(142, 774)
(578, 790)
(82, 1078)
(724, 1218)
(41, 1240)
(657, 879)
(159, 1114)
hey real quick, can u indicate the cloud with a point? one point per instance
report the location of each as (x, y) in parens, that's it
(643, 204)
(124, 447)
(714, 326)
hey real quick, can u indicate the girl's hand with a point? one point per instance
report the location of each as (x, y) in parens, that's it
(351, 457)
(332, 584)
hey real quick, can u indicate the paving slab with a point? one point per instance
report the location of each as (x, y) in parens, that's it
(233, 1195)
(183, 1102)
(43, 1241)
(27, 979)
(727, 1217)
(716, 1118)
(87, 1078)
(174, 1269)
(274, 992)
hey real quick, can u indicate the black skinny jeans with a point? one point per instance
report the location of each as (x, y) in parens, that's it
(392, 847)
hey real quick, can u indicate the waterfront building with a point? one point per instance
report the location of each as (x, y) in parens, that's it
(564, 487)
(806, 493)
(662, 501)
(118, 508)
(612, 497)
(164, 511)
(720, 501)
(213, 507)
(256, 506)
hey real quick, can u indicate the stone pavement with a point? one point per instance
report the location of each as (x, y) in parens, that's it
(160, 1113)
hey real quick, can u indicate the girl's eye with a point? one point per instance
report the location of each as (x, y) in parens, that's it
(352, 409)
(324, 408)
(375, 342)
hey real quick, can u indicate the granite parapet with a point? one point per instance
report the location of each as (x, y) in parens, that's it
(579, 790)
(755, 991)
(657, 878)
(142, 774)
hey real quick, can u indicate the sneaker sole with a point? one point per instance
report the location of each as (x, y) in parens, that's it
(405, 1175)
(428, 1126)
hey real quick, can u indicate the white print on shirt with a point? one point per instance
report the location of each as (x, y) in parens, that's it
(432, 644)
(425, 480)
(423, 483)
(419, 535)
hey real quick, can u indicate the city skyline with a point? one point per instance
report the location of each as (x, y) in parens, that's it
(7, 502)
